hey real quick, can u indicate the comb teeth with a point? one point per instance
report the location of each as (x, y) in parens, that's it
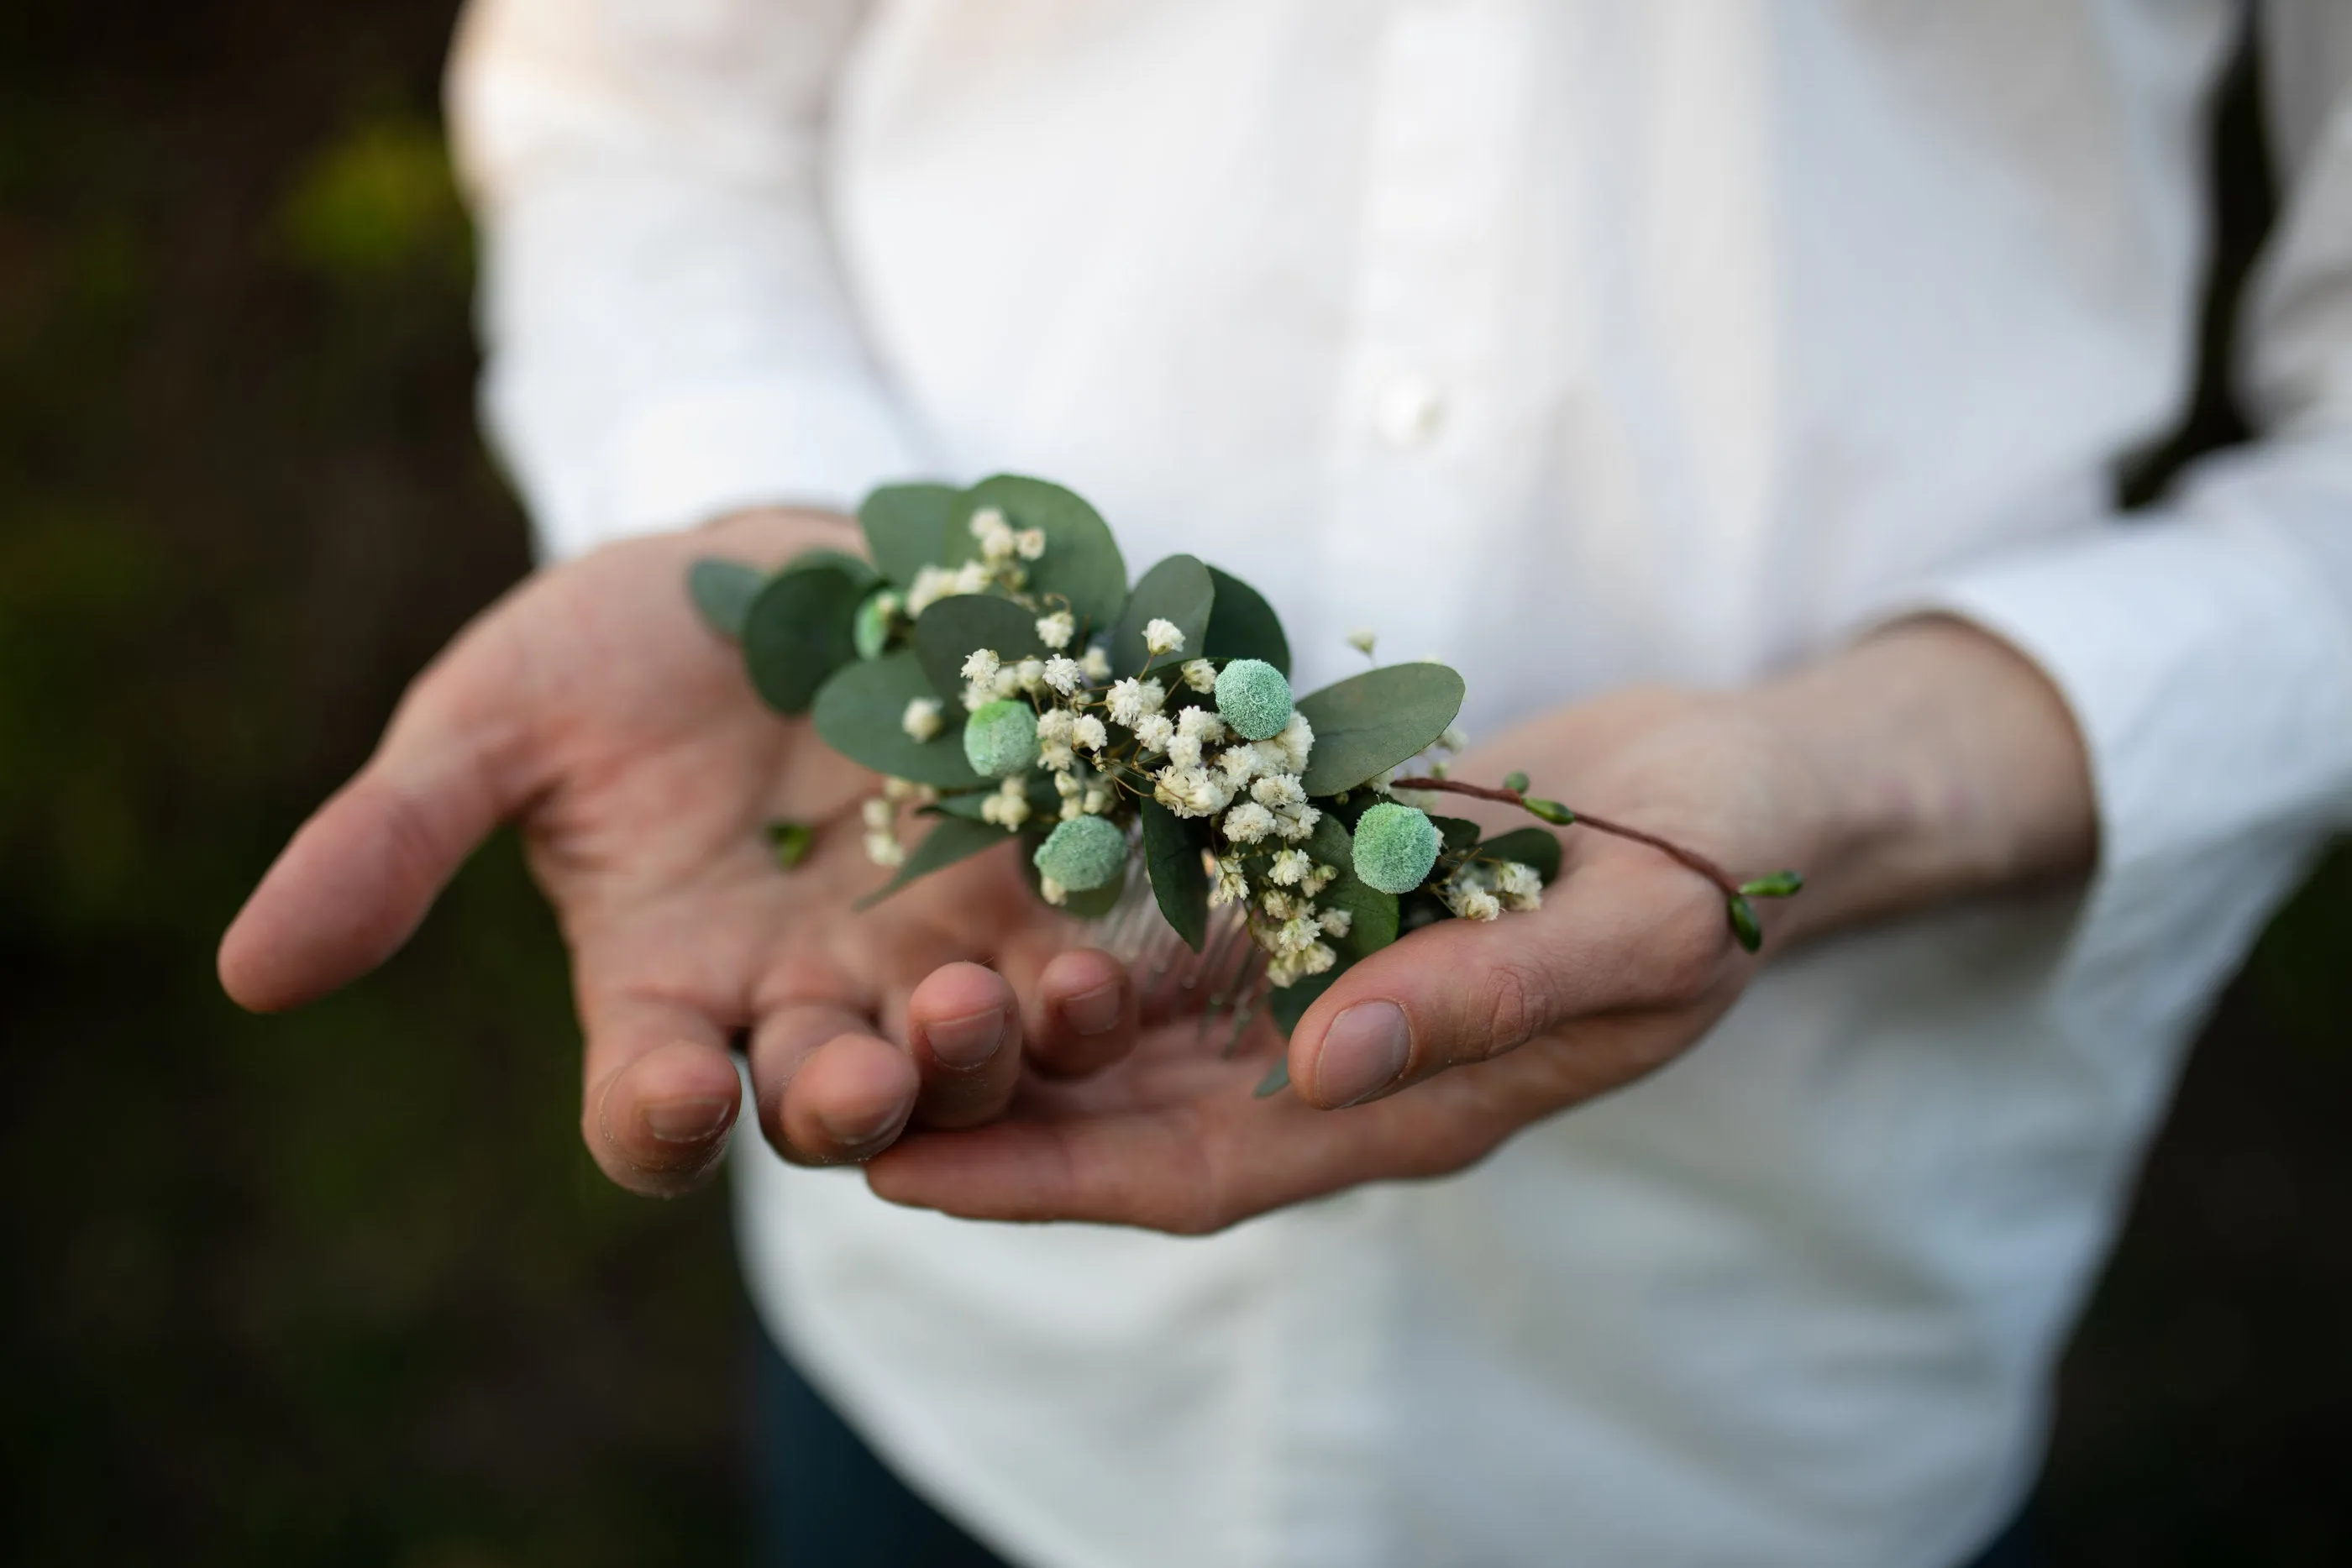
(1227, 976)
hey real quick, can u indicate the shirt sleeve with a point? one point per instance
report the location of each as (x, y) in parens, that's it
(668, 337)
(2206, 648)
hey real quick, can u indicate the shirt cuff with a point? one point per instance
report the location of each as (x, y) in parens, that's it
(692, 456)
(2211, 680)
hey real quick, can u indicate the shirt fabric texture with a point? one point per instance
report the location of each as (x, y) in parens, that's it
(1578, 344)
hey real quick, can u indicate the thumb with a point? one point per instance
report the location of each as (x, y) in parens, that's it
(357, 879)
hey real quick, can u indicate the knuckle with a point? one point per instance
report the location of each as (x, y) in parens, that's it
(1513, 1008)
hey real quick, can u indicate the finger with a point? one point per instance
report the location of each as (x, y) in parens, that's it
(1466, 991)
(830, 1090)
(356, 879)
(1081, 1015)
(661, 1095)
(963, 1028)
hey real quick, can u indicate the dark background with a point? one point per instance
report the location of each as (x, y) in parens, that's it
(341, 1287)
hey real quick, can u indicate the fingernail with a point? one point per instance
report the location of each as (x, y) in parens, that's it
(688, 1121)
(1363, 1053)
(854, 1133)
(1096, 1011)
(966, 1042)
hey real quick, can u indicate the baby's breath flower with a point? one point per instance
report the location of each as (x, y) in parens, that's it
(1289, 868)
(1096, 664)
(1063, 673)
(1317, 958)
(1473, 903)
(1279, 790)
(1097, 800)
(978, 694)
(986, 521)
(1521, 887)
(1277, 904)
(931, 584)
(1088, 733)
(1008, 808)
(1008, 680)
(1363, 640)
(1191, 791)
(905, 788)
(1066, 785)
(1248, 822)
(1296, 823)
(1183, 750)
(1153, 731)
(1201, 675)
(1296, 741)
(1336, 922)
(1162, 636)
(1321, 877)
(1030, 675)
(1056, 630)
(1238, 764)
(1052, 891)
(878, 813)
(1131, 699)
(922, 720)
(1452, 739)
(971, 577)
(1030, 543)
(1201, 724)
(1230, 887)
(884, 849)
(1299, 933)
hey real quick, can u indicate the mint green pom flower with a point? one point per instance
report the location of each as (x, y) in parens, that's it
(1395, 847)
(1001, 738)
(1254, 699)
(1083, 852)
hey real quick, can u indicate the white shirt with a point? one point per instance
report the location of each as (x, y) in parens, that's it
(1578, 344)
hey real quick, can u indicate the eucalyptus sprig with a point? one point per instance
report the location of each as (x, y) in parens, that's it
(990, 660)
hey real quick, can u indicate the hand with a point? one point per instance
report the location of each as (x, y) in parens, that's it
(591, 705)
(1928, 763)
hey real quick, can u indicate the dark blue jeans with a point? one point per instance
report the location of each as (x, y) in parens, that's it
(825, 1501)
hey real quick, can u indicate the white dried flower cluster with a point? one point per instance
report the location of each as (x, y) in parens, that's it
(1482, 890)
(922, 720)
(1000, 542)
(1009, 807)
(881, 818)
(1162, 636)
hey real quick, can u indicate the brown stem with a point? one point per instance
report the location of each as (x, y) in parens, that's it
(1691, 858)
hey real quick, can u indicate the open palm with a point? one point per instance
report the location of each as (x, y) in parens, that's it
(590, 706)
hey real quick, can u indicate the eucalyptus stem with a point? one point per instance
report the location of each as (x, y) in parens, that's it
(1735, 893)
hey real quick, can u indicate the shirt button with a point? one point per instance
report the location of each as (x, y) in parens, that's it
(1409, 411)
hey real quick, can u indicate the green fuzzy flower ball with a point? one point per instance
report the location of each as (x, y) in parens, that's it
(1395, 847)
(1083, 852)
(1000, 740)
(1254, 699)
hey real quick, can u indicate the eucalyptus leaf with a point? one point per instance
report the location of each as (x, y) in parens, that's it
(906, 528)
(954, 839)
(1536, 847)
(798, 631)
(1288, 1004)
(1376, 720)
(723, 591)
(1177, 589)
(1081, 563)
(1244, 625)
(1459, 833)
(1171, 857)
(857, 567)
(952, 628)
(1096, 902)
(861, 712)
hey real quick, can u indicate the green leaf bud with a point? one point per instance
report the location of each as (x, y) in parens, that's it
(1744, 927)
(1254, 697)
(1395, 847)
(1779, 884)
(870, 632)
(1082, 854)
(1001, 738)
(1515, 781)
(1552, 812)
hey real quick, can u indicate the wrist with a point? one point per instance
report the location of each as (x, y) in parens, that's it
(1943, 764)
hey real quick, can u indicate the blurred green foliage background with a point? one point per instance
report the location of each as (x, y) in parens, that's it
(341, 1286)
